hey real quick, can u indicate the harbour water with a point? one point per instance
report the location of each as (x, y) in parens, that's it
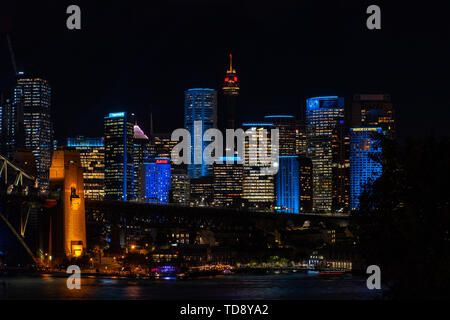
(297, 286)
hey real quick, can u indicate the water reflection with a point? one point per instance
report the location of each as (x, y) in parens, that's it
(290, 286)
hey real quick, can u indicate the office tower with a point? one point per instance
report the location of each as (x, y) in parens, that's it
(228, 183)
(68, 227)
(300, 138)
(180, 187)
(141, 155)
(12, 136)
(363, 166)
(119, 152)
(287, 184)
(286, 125)
(341, 167)
(92, 155)
(33, 95)
(200, 105)
(258, 190)
(306, 184)
(228, 99)
(322, 116)
(157, 177)
(202, 191)
(161, 145)
(373, 110)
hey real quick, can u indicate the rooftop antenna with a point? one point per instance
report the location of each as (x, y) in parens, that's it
(231, 62)
(151, 124)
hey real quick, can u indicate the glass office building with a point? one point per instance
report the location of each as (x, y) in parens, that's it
(157, 180)
(228, 183)
(119, 153)
(322, 116)
(258, 190)
(33, 97)
(288, 185)
(199, 105)
(363, 167)
(92, 156)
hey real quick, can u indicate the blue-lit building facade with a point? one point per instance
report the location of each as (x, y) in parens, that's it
(199, 105)
(287, 185)
(363, 168)
(92, 156)
(287, 179)
(119, 153)
(156, 176)
(322, 116)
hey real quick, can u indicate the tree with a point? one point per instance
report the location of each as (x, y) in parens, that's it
(403, 220)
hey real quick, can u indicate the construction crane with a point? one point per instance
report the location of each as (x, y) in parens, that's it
(13, 59)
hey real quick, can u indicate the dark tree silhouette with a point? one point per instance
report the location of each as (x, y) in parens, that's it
(403, 221)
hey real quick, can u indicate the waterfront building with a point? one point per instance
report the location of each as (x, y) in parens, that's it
(363, 166)
(119, 153)
(200, 105)
(32, 95)
(322, 116)
(92, 156)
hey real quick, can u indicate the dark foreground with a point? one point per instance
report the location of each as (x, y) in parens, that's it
(300, 286)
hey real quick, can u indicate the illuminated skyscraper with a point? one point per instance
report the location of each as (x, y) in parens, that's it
(300, 138)
(92, 155)
(306, 185)
(201, 191)
(157, 177)
(363, 167)
(161, 145)
(119, 153)
(286, 126)
(228, 183)
(258, 189)
(341, 167)
(180, 187)
(141, 155)
(34, 95)
(228, 101)
(322, 116)
(287, 182)
(199, 105)
(287, 187)
(373, 110)
(8, 127)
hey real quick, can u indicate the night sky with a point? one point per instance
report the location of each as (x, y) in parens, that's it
(140, 56)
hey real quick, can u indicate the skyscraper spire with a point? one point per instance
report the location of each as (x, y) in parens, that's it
(231, 63)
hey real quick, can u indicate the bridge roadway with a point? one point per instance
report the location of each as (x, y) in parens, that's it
(154, 215)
